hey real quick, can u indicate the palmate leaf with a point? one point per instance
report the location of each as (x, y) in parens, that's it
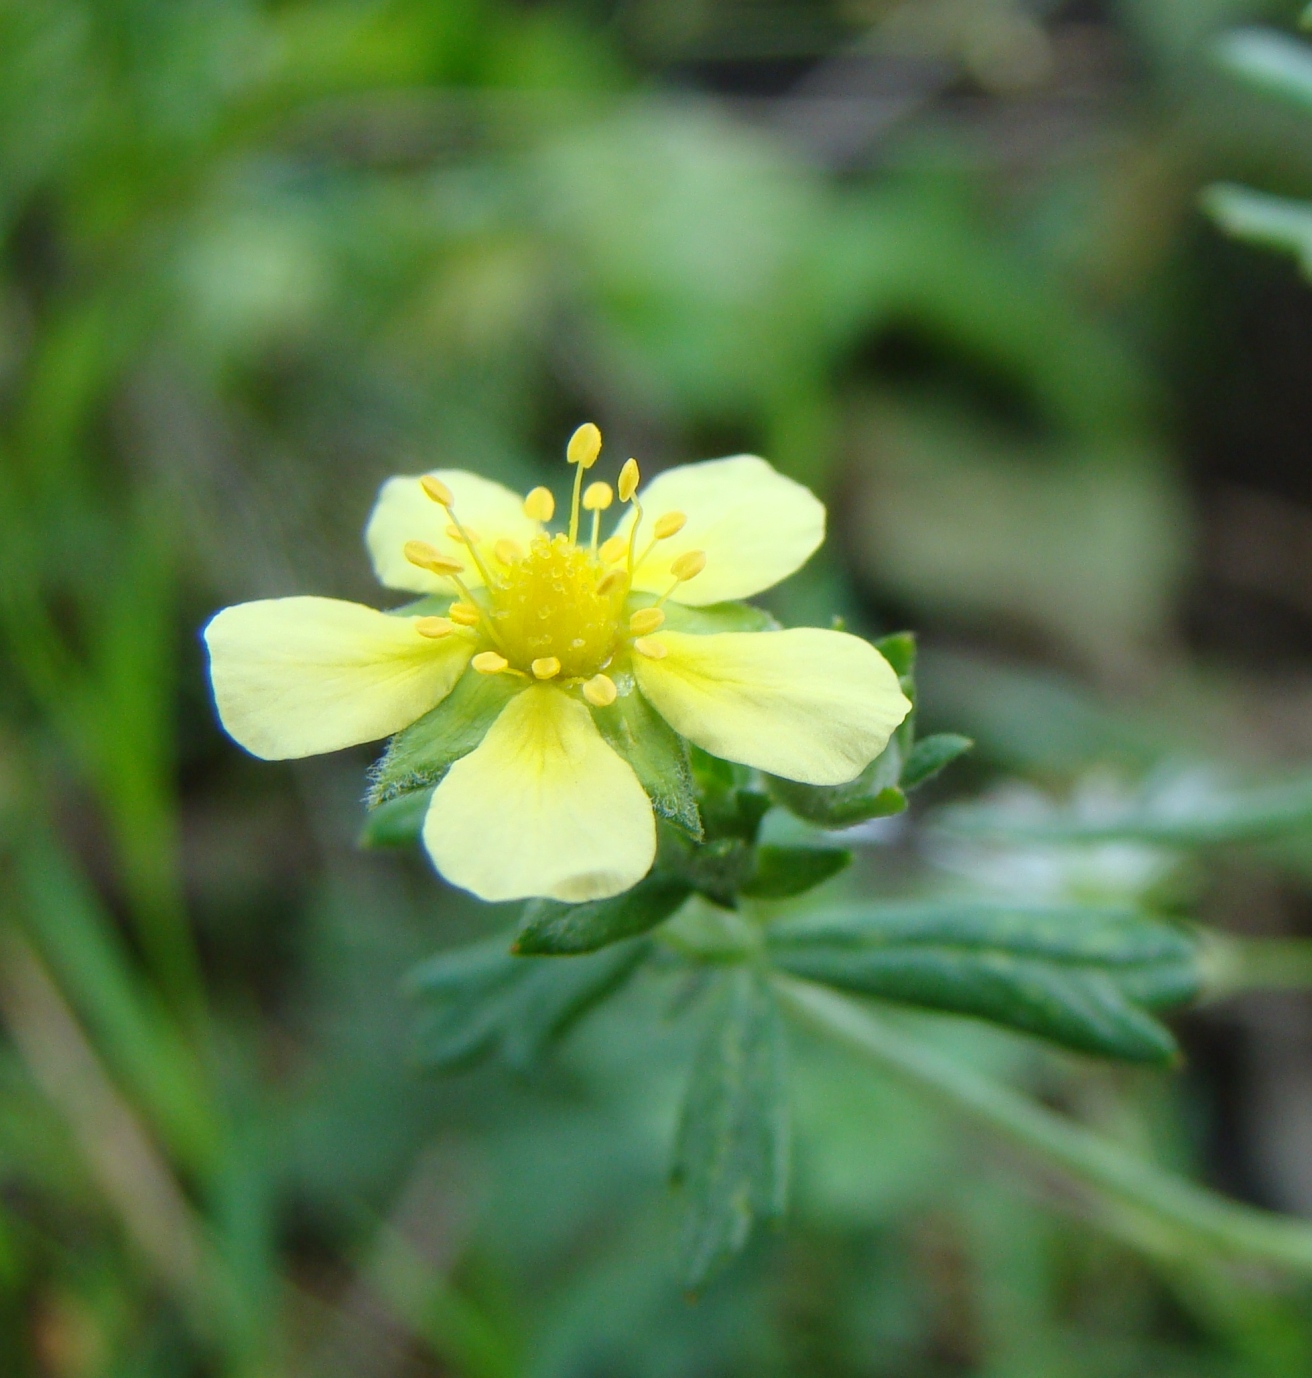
(482, 1000)
(1085, 977)
(731, 1155)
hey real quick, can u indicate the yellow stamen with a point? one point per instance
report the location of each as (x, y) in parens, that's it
(600, 691)
(464, 535)
(597, 497)
(668, 525)
(437, 490)
(507, 551)
(429, 557)
(628, 480)
(610, 580)
(540, 506)
(645, 620)
(651, 648)
(584, 446)
(688, 565)
(612, 549)
(582, 451)
(489, 663)
(546, 667)
(464, 614)
(434, 627)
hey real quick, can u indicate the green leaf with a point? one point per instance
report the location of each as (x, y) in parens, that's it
(930, 755)
(657, 754)
(482, 1000)
(1270, 221)
(1082, 976)
(550, 927)
(1270, 62)
(782, 872)
(873, 794)
(398, 822)
(731, 1155)
(418, 757)
(1205, 815)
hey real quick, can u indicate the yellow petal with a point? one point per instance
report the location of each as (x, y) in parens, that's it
(404, 512)
(298, 676)
(541, 807)
(807, 704)
(756, 527)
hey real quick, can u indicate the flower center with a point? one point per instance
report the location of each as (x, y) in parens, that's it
(547, 605)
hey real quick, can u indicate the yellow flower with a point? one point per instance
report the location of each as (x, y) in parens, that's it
(570, 626)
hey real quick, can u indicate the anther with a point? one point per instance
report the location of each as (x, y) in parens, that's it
(597, 497)
(669, 525)
(688, 565)
(434, 627)
(612, 549)
(645, 621)
(437, 490)
(584, 446)
(628, 481)
(464, 535)
(464, 614)
(612, 579)
(600, 691)
(429, 557)
(507, 551)
(545, 667)
(539, 506)
(651, 648)
(489, 663)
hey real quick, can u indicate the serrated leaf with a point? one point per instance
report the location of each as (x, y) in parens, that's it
(658, 755)
(398, 822)
(418, 757)
(550, 927)
(873, 794)
(930, 755)
(482, 1000)
(731, 1155)
(782, 872)
(1274, 222)
(1270, 62)
(1082, 976)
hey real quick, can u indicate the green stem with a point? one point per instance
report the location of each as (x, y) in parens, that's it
(1232, 966)
(1170, 1203)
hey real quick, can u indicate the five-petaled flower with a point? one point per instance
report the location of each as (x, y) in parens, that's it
(542, 804)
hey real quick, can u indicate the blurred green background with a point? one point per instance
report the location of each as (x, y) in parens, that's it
(943, 261)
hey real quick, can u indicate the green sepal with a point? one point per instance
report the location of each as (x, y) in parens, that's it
(930, 755)
(715, 868)
(482, 1000)
(1081, 976)
(873, 794)
(430, 605)
(398, 822)
(550, 927)
(899, 650)
(420, 755)
(658, 755)
(782, 872)
(716, 617)
(731, 1153)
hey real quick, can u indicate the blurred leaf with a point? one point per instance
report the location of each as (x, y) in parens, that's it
(1270, 62)
(1271, 221)
(657, 754)
(932, 754)
(1183, 812)
(552, 927)
(731, 1158)
(420, 755)
(782, 872)
(398, 822)
(482, 1000)
(1082, 976)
